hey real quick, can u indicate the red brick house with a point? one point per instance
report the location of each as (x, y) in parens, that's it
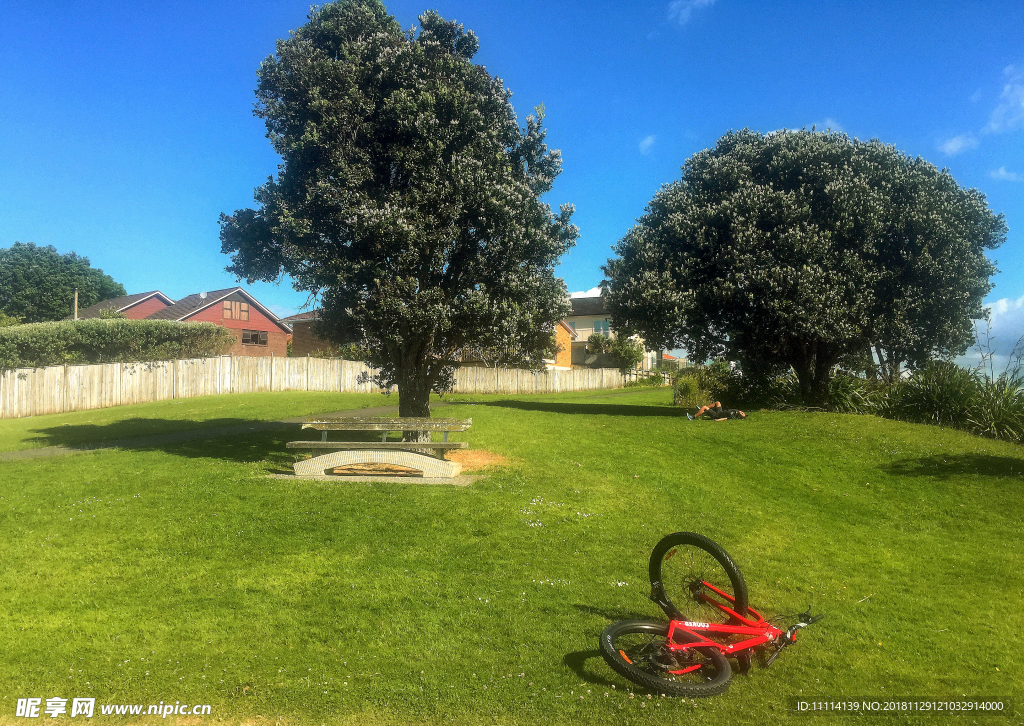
(304, 341)
(258, 331)
(135, 307)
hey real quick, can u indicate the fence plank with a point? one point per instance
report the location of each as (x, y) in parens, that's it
(55, 389)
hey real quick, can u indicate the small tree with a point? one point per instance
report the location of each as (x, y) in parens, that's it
(627, 353)
(37, 284)
(598, 343)
(802, 249)
(407, 200)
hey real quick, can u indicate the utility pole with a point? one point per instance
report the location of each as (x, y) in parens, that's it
(76, 303)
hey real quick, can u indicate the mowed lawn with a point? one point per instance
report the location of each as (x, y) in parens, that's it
(183, 572)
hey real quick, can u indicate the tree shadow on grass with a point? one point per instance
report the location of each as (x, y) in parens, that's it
(591, 409)
(141, 431)
(229, 439)
(949, 466)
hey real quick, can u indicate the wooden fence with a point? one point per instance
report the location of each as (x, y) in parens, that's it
(57, 389)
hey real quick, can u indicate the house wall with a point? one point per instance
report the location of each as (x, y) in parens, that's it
(584, 325)
(277, 339)
(304, 341)
(563, 359)
(145, 308)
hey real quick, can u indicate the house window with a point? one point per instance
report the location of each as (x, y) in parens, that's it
(254, 337)
(235, 310)
(572, 325)
(601, 326)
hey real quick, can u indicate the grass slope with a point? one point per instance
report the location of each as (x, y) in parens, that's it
(183, 573)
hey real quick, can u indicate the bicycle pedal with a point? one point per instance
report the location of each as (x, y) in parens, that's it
(744, 662)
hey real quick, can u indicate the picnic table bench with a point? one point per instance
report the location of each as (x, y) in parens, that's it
(409, 454)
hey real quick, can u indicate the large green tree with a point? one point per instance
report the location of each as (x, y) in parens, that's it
(37, 284)
(805, 249)
(407, 201)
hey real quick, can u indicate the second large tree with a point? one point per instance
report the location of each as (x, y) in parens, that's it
(803, 249)
(407, 200)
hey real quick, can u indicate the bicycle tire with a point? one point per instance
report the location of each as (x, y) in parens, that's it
(635, 650)
(679, 564)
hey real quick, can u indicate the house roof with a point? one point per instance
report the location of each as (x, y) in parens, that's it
(194, 303)
(121, 303)
(298, 317)
(572, 333)
(587, 306)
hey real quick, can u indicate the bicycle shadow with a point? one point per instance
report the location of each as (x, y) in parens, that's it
(589, 665)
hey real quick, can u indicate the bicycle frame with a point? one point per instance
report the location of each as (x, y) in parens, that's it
(759, 630)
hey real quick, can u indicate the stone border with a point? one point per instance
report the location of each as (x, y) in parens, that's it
(463, 480)
(431, 467)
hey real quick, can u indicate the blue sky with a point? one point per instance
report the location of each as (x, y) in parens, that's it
(127, 127)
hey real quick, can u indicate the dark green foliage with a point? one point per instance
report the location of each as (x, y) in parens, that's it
(803, 251)
(38, 284)
(407, 199)
(109, 341)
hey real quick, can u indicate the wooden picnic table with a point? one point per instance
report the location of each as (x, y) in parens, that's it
(402, 453)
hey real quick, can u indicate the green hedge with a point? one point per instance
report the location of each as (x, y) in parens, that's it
(109, 341)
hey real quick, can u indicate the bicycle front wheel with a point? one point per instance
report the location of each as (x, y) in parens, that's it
(638, 650)
(686, 569)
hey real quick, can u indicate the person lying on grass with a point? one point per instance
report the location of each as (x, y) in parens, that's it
(718, 413)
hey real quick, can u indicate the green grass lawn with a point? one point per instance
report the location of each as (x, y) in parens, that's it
(184, 573)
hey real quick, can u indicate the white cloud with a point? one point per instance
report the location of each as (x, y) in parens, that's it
(592, 292)
(1005, 332)
(681, 10)
(1009, 113)
(646, 144)
(953, 146)
(829, 124)
(1003, 175)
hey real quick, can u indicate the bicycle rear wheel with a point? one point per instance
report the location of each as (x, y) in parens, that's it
(637, 649)
(684, 569)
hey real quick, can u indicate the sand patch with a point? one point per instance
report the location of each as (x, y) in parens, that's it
(475, 459)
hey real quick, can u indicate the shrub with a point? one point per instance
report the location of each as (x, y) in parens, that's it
(8, 320)
(687, 392)
(941, 393)
(109, 341)
(627, 353)
(598, 343)
(998, 411)
(112, 314)
(649, 379)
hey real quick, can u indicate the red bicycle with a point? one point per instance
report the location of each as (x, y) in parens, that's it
(688, 655)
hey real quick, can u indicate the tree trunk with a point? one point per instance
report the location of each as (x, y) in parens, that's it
(414, 400)
(813, 372)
